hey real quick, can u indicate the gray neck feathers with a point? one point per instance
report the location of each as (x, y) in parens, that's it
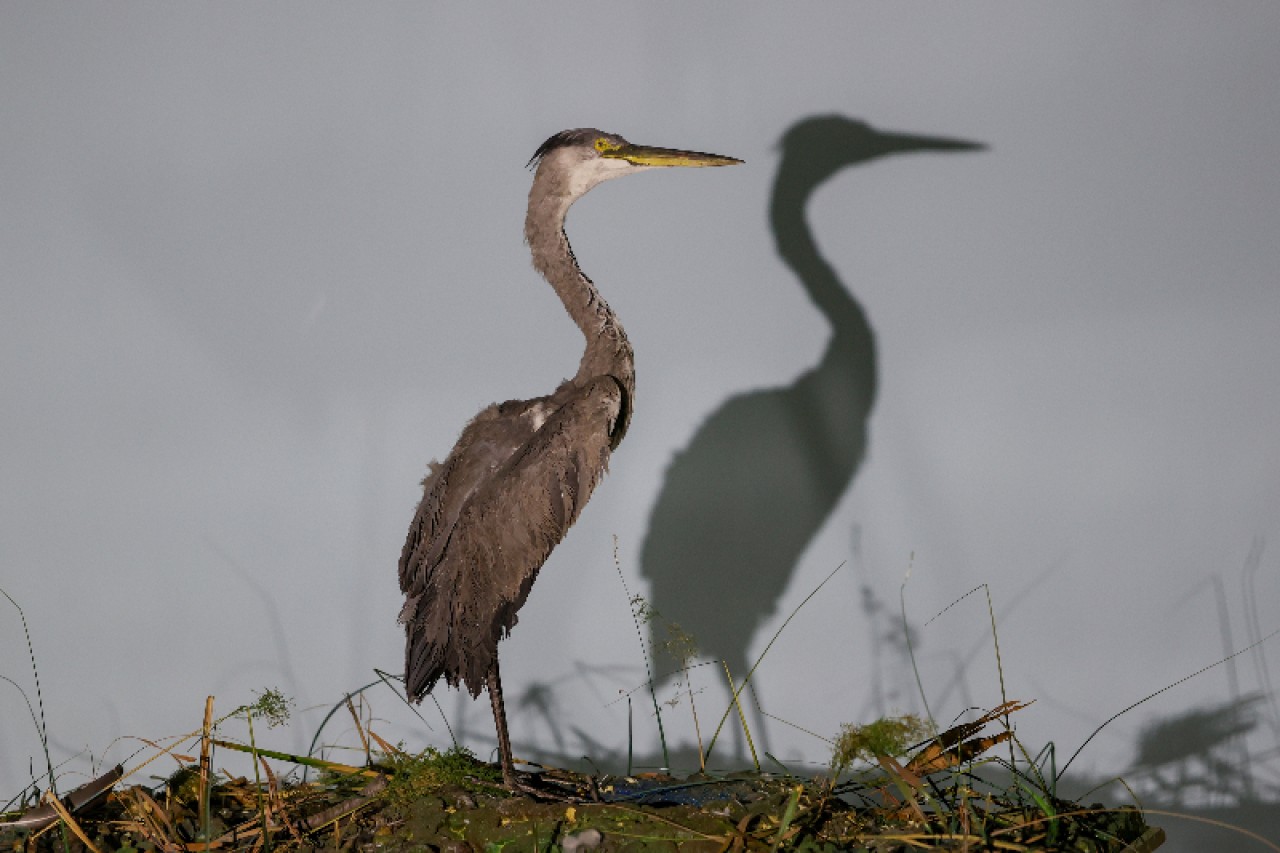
(607, 350)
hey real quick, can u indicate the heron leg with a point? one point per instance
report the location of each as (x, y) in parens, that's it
(513, 782)
(500, 721)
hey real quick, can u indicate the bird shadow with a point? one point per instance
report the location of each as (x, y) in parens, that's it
(1206, 773)
(742, 501)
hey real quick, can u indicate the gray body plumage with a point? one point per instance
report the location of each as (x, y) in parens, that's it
(489, 517)
(522, 470)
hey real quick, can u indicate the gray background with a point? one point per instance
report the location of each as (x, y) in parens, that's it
(261, 262)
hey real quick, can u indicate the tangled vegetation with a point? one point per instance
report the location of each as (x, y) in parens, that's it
(883, 794)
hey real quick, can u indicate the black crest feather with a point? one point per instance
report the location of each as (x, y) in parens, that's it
(563, 139)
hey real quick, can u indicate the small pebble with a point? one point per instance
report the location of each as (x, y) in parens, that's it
(586, 839)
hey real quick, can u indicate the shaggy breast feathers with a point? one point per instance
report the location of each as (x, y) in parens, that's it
(503, 499)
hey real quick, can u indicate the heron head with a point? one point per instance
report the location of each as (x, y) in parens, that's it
(581, 158)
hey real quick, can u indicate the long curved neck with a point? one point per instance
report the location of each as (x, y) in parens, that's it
(796, 246)
(608, 352)
(833, 400)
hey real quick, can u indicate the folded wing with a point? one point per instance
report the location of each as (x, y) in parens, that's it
(490, 515)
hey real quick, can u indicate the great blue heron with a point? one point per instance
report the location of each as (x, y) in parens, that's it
(522, 470)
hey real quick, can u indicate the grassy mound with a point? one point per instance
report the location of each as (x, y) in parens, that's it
(937, 797)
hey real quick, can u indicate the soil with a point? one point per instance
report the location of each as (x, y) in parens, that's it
(415, 809)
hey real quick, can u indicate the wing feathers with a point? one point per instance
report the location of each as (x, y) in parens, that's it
(490, 515)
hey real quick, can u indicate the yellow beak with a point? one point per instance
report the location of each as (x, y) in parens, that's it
(645, 155)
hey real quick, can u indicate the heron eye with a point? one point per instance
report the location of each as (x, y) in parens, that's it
(603, 144)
